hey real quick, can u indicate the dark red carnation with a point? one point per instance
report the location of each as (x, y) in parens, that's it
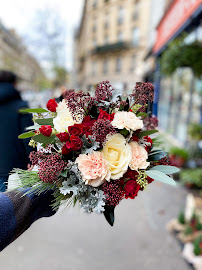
(104, 115)
(76, 143)
(52, 105)
(63, 136)
(76, 129)
(131, 189)
(46, 130)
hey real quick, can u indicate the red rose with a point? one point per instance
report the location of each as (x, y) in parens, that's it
(63, 136)
(131, 189)
(104, 115)
(66, 149)
(46, 130)
(76, 143)
(52, 105)
(76, 129)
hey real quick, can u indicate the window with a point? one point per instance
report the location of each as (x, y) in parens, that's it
(133, 63)
(105, 66)
(95, 3)
(94, 43)
(118, 64)
(121, 15)
(120, 36)
(94, 26)
(106, 21)
(94, 68)
(136, 12)
(136, 34)
(106, 39)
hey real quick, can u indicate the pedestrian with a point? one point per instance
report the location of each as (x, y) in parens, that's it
(14, 152)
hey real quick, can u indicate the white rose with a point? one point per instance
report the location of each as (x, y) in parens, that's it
(127, 120)
(139, 157)
(64, 118)
(118, 155)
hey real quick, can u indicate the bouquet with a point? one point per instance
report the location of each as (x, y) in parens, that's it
(95, 150)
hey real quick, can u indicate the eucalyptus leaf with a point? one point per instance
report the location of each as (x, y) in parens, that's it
(166, 169)
(45, 121)
(146, 133)
(26, 135)
(43, 139)
(36, 110)
(34, 127)
(142, 114)
(160, 176)
(157, 156)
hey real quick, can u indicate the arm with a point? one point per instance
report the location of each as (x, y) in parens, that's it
(19, 211)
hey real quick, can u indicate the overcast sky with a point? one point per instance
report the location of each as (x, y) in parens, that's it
(19, 14)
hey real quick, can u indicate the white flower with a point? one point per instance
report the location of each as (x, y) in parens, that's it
(127, 120)
(139, 157)
(64, 118)
(118, 155)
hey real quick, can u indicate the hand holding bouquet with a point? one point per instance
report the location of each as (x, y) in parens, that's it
(95, 150)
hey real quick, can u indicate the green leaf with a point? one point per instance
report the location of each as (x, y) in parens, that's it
(157, 155)
(146, 133)
(109, 214)
(64, 173)
(45, 121)
(166, 169)
(160, 176)
(37, 110)
(43, 139)
(142, 114)
(124, 132)
(26, 135)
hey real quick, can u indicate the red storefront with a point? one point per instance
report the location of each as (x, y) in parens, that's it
(176, 103)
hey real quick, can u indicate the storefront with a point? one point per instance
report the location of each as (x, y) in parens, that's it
(178, 98)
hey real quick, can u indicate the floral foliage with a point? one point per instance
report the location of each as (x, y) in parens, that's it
(97, 150)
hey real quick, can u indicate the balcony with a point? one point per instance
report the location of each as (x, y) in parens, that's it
(114, 47)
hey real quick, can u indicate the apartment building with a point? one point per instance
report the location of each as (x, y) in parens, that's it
(111, 43)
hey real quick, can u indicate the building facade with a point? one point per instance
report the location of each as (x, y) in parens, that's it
(15, 57)
(178, 98)
(111, 43)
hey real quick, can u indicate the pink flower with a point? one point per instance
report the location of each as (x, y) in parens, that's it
(93, 168)
(139, 157)
(127, 120)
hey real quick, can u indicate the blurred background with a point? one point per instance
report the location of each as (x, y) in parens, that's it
(57, 45)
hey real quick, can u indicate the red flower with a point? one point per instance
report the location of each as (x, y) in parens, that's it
(76, 129)
(149, 140)
(131, 175)
(131, 189)
(87, 125)
(63, 136)
(76, 143)
(104, 115)
(135, 138)
(149, 180)
(52, 105)
(66, 149)
(46, 130)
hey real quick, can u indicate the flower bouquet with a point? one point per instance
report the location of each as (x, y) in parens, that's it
(95, 150)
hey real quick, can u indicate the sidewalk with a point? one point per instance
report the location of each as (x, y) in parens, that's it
(72, 240)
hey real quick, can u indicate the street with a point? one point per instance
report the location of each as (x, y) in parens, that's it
(72, 240)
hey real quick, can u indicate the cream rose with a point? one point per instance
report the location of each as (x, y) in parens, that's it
(64, 118)
(127, 120)
(139, 157)
(94, 168)
(118, 154)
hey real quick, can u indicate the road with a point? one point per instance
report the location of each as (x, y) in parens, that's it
(73, 240)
